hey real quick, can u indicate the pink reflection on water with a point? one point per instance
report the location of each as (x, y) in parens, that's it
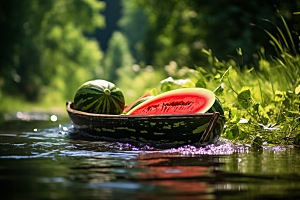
(224, 149)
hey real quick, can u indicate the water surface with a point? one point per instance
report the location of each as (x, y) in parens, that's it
(50, 160)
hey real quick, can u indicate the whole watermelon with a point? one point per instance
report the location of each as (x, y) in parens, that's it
(100, 97)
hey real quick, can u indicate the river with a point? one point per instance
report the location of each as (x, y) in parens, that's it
(44, 159)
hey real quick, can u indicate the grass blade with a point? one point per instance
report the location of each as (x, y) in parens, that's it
(272, 37)
(289, 33)
(279, 30)
(272, 84)
(275, 40)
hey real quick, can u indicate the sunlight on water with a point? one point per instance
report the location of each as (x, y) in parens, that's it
(29, 116)
(219, 149)
(224, 149)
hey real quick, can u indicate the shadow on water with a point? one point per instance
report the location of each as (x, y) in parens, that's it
(38, 162)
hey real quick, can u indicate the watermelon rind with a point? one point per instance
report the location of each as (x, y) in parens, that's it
(141, 101)
(100, 97)
(216, 107)
(179, 101)
(152, 92)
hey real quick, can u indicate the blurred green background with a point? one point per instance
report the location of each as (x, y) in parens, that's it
(49, 48)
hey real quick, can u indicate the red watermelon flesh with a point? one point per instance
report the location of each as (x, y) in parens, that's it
(150, 93)
(180, 101)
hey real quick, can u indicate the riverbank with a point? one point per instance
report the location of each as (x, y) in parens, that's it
(12, 105)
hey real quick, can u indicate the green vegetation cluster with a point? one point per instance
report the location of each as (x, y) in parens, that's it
(261, 105)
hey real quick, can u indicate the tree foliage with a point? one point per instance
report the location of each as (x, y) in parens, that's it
(43, 47)
(117, 58)
(178, 30)
(133, 25)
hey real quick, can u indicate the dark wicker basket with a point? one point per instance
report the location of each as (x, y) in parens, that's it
(178, 129)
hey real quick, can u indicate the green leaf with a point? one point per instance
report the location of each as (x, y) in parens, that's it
(297, 90)
(219, 90)
(279, 30)
(256, 106)
(235, 115)
(201, 70)
(239, 51)
(279, 96)
(242, 135)
(166, 86)
(286, 103)
(257, 142)
(272, 37)
(235, 131)
(244, 98)
(217, 76)
(188, 85)
(289, 33)
(226, 74)
(297, 139)
(248, 71)
(201, 84)
(206, 52)
(153, 92)
(171, 84)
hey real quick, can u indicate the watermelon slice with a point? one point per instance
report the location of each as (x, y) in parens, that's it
(152, 92)
(180, 101)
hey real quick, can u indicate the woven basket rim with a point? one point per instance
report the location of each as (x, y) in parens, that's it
(69, 106)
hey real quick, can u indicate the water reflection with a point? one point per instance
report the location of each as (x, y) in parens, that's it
(149, 176)
(264, 162)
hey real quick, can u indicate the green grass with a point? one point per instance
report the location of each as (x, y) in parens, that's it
(11, 104)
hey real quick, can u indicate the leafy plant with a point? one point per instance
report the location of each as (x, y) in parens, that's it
(261, 105)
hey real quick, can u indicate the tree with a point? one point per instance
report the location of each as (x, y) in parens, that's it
(133, 25)
(118, 57)
(44, 48)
